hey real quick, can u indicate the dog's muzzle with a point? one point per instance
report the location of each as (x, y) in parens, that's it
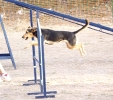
(25, 37)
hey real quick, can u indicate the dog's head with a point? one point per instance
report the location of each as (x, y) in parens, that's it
(29, 33)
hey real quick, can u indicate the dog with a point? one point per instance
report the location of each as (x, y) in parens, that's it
(52, 36)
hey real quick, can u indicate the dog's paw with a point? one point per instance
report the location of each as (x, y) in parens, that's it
(82, 54)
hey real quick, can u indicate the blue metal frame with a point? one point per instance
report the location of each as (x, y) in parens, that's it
(59, 15)
(41, 62)
(7, 55)
(34, 58)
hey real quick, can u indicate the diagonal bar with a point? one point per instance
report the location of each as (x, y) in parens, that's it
(57, 14)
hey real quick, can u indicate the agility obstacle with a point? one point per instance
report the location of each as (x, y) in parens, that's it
(42, 80)
(8, 55)
(41, 61)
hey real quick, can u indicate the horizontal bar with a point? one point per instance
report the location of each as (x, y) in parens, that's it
(51, 12)
(5, 56)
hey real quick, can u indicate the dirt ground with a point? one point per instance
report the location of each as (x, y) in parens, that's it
(73, 77)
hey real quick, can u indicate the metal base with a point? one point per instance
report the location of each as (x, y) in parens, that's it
(36, 81)
(47, 96)
(32, 82)
(38, 93)
(42, 94)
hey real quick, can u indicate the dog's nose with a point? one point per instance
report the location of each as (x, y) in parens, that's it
(22, 36)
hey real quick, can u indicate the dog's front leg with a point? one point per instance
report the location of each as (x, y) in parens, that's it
(33, 43)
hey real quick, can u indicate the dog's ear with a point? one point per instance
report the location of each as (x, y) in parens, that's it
(30, 27)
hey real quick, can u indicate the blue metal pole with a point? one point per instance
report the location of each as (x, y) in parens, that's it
(41, 57)
(43, 66)
(39, 50)
(33, 50)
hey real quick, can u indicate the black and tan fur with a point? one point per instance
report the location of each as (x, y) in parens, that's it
(52, 36)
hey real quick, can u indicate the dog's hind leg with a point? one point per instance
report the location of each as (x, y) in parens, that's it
(76, 46)
(81, 48)
(33, 43)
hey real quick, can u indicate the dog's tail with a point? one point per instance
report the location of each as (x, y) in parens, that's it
(87, 23)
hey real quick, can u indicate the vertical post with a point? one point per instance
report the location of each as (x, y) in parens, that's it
(43, 66)
(41, 57)
(39, 49)
(33, 49)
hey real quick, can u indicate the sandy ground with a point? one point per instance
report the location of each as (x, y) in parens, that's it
(73, 77)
